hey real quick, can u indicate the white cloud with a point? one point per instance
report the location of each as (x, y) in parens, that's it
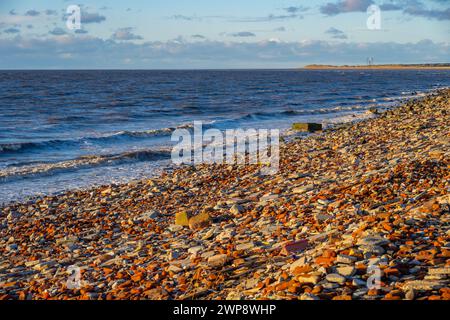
(90, 52)
(125, 34)
(336, 33)
(15, 19)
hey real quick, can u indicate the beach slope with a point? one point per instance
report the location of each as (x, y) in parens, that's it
(360, 211)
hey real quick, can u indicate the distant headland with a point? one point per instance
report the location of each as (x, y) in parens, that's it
(379, 66)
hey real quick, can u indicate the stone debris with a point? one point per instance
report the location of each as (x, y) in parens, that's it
(294, 246)
(312, 279)
(308, 296)
(372, 241)
(236, 209)
(245, 246)
(182, 218)
(217, 260)
(299, 190)
(200, 221)
(307, 126)
(152, 214)
(356, 200)
(441, 271)
(334, 277)
(423, 285)
(346, 271)
(342, 258)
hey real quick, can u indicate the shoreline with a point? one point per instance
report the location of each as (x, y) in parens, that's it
(286, 134)
(378, 67)
(358, 191)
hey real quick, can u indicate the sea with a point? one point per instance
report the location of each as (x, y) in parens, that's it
(73, 129)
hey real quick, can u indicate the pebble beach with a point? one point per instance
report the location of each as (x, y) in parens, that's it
(357, 204)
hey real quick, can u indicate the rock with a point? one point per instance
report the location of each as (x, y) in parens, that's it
(172, 255)
(335, 278)
(341, 258)
(423, 285)
(106, 191)
(439, 271)
(307, 126)
(91, 295)
(297, 263)
(268, 197)
(294, 246)
(330, 286)
(236, 209)
(320, 217)
(68, 240)
(209, 234)
(250, 283)
(201, 220)
(13, 247)
(174, 269)
(207, 254)
(234, 295)
(414, 270)
(152, 214)
(436, 154)
(321, 236)
(155, 294)
(31, 263)
(44, 265)
(409, 294)
(374, 240)
(309, 296)
(182, 219)
(342, 297)
(373, 111)
(359, 283)
(175, 227)
(245, 246)
(359, 293)
(310, 278)
(195, 250)
(435, 277)
(225, 235)
(443, 199)
(303, 189)
(13, 216)
(323, 202)
(217, 260)
(325, 261)
(372, 250)
(346, 271)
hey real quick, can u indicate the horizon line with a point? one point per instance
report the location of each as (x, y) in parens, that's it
(310, 66)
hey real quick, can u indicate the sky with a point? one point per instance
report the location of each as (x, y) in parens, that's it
(213, 34)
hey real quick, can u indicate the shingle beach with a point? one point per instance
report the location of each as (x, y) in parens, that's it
(352, 202)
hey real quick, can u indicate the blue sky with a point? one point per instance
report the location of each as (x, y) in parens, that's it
(184, 34)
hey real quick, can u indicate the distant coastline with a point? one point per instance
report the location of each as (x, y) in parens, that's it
(432, 66)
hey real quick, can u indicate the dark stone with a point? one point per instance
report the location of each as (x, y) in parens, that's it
(307, 126)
